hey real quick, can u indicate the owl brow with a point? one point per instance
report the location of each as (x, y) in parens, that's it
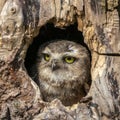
(69, 50)
(70, 54)
(44, 53)
(72, 51)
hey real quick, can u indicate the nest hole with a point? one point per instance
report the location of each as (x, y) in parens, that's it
(49, 32)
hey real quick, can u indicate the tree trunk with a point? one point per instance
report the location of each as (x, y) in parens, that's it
(20, 22)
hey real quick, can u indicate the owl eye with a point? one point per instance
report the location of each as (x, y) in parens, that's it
(46, 57)
(69, 59)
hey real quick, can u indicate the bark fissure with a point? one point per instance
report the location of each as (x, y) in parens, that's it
(108, 54)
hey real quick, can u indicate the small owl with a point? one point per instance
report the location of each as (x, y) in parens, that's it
(63, 71)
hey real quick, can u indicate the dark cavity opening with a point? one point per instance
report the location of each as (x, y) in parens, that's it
(47, 33)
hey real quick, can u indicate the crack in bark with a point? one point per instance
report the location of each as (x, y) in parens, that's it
(8, 114)
(108, 54)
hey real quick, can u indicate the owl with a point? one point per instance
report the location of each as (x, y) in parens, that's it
(63, 70)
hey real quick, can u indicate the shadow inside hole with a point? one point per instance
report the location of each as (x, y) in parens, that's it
(47, 33)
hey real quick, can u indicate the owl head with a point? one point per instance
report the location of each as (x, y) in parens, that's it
(63, 63)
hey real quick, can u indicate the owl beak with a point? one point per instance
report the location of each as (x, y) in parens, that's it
(54, 65)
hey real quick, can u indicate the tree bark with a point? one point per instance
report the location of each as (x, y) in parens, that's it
(20, 21)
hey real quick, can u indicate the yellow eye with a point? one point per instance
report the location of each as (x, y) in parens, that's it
(46, 57)
(69, 59)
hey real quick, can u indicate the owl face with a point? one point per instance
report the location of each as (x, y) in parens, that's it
(63, 63)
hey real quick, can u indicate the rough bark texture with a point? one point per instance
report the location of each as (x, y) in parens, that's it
(20, 21)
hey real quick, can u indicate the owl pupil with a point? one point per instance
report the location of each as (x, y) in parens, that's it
(69, 58)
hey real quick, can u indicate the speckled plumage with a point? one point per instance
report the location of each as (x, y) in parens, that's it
(67, 81)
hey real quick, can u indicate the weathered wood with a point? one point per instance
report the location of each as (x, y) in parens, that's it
(102, 36)
(20, 21)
